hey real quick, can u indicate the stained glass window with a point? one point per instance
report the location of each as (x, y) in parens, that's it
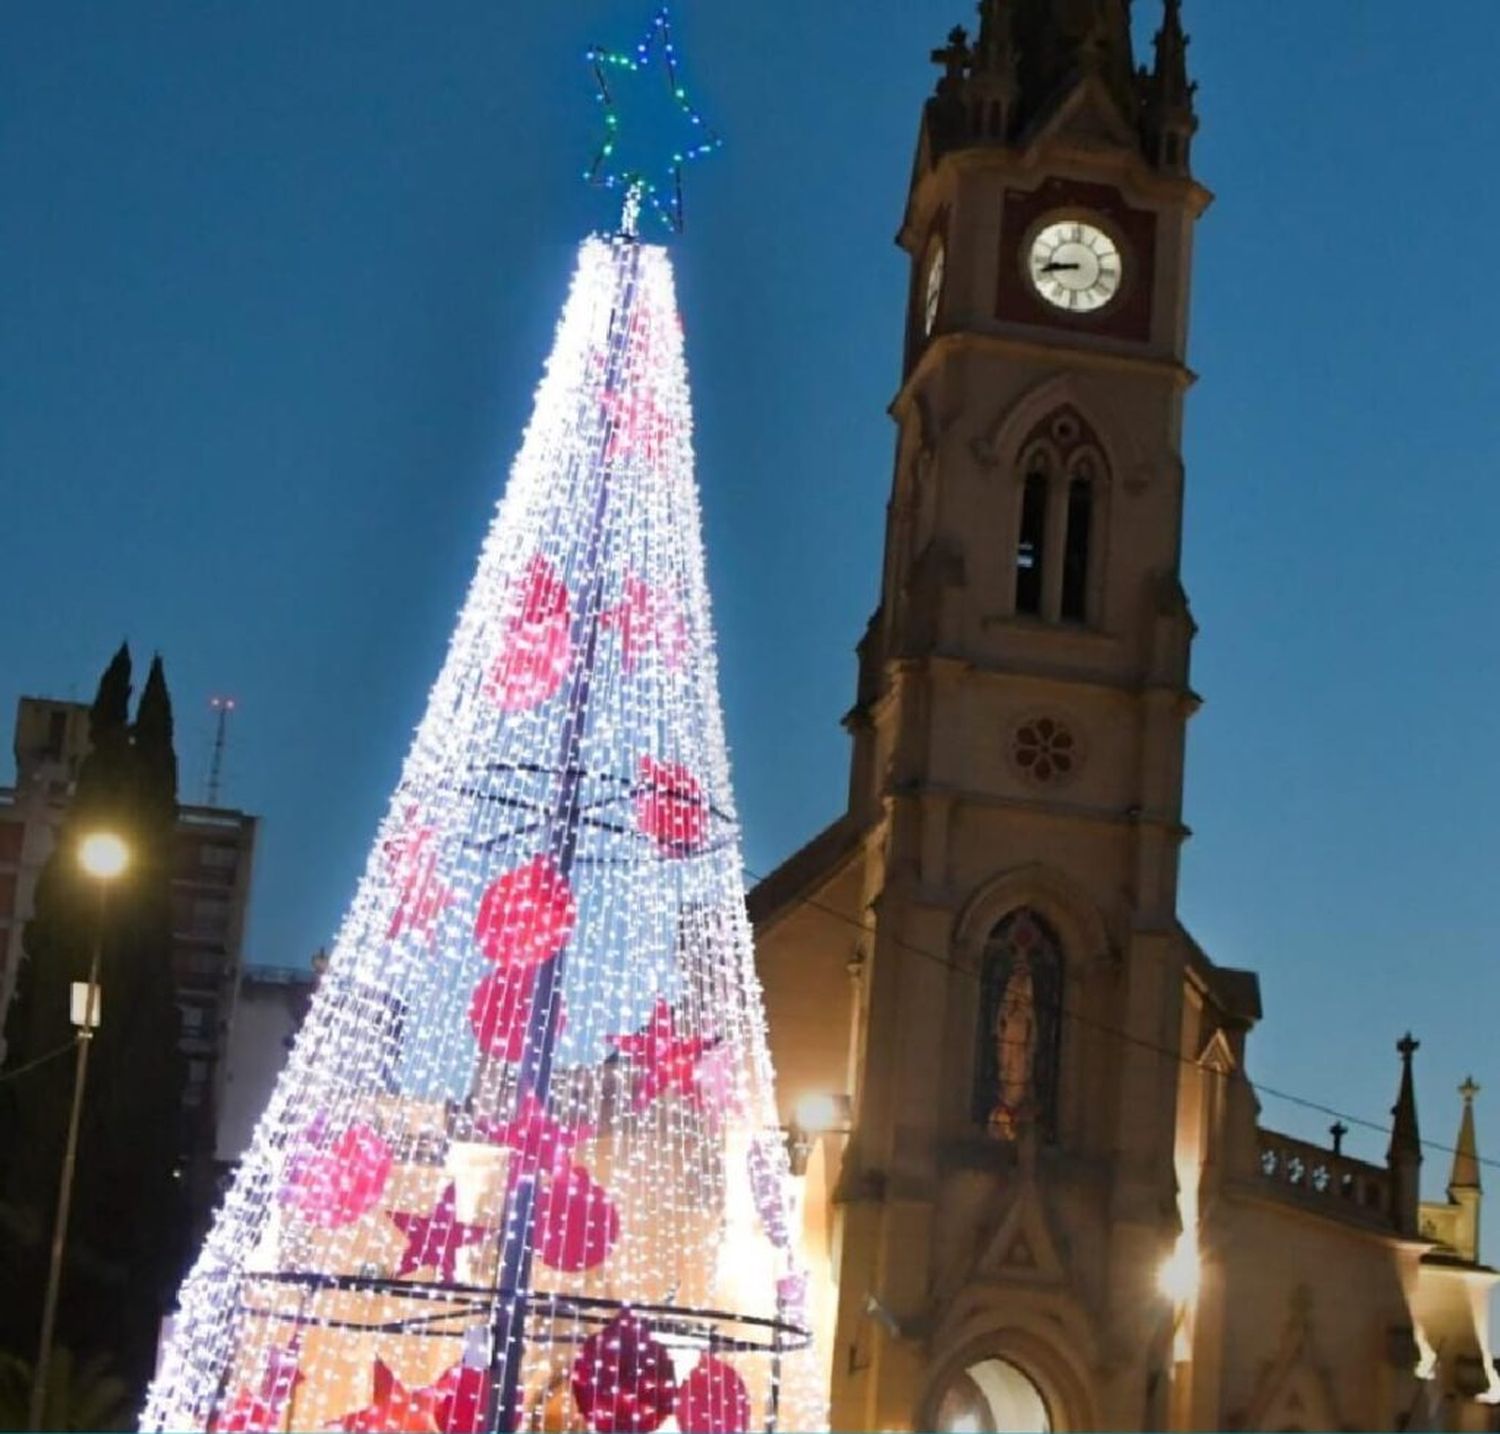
(1020, 1028)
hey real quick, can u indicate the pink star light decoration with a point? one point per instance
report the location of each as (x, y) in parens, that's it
(393, 1408)
(664, 1060)
(436, 1238)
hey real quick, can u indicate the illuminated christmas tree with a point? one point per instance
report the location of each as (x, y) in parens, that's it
(523, 1169)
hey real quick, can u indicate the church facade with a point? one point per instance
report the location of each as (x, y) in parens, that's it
(1037, 1193)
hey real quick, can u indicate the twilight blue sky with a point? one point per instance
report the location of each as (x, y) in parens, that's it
(276, 281)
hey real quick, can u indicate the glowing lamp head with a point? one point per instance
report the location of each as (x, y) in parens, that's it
(103, 856)
(1180, 1273)
(817, 1114)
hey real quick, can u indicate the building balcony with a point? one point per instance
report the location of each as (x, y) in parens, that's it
(1323, 1181)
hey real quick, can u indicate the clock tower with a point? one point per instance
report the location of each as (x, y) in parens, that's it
(1008, 864)
(1036, 1192)
(1019, 738)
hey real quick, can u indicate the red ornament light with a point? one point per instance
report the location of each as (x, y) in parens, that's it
(499, 1011)
(338, 1184)
(717, 1092)
(713, 1399)
(526, 915)
(536, 649)
(541, 1142)
(577, 1223)
(622, 1379)
(670, 807)
(639, 428)
(460, 1400)
(646, 617)
(413, 856)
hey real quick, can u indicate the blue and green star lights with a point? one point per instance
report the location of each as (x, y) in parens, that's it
(658, 187)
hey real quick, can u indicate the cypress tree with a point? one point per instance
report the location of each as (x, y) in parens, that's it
(129, 1148)
(56, 948)
(123, 1254)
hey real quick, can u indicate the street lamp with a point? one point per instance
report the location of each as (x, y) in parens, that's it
(103, 856)
(816, 1115)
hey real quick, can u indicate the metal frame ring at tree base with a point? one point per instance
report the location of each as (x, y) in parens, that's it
(779, 1336)
(677, 1326)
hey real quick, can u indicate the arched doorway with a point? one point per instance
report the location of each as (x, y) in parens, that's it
(992, 1396)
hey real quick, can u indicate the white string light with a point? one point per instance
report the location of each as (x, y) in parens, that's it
(522, 1169)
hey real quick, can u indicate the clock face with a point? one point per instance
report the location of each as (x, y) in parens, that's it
(1075, 265)
(933, 294)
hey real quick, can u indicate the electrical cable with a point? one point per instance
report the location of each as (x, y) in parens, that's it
(1079, 1018)
(7, 1076)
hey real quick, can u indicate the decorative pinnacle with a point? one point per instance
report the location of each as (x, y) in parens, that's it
(995, 55)
(995, 31)
(1465, 1174)
(1172, 89)
(1338, 1130)
(1093, 48)
(1406, 1142)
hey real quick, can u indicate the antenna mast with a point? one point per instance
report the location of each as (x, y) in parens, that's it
(222, 707)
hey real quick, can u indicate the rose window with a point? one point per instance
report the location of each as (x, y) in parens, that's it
(1045, 750)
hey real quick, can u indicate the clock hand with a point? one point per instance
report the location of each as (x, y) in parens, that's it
(1052, 268)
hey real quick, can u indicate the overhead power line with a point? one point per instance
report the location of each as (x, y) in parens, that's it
(19, 1071)
(1067, 1013)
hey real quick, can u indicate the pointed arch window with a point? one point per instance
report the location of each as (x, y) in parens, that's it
(1031, 547)
(933, 278)
(1019, 1040)
(1063, 502)
(1078, 542)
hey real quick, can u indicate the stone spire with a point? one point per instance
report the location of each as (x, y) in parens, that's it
(1404, 1158)
(1465, 1174)
(1060, 41)
(994, 81)
(1464, 1194)
(995, 52)
(1169, 120)
(1028, 57)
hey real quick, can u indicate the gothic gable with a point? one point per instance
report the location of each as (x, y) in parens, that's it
(1088, 119)
(1000, 443)
(1294, 1390)
(1023, 1246)
(1065, 904)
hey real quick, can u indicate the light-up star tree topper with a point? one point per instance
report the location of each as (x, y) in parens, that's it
(644, 181)
(522, 1170)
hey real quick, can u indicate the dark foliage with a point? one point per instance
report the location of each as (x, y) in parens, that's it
(124, 1233)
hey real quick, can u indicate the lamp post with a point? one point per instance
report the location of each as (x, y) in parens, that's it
(103, 856)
